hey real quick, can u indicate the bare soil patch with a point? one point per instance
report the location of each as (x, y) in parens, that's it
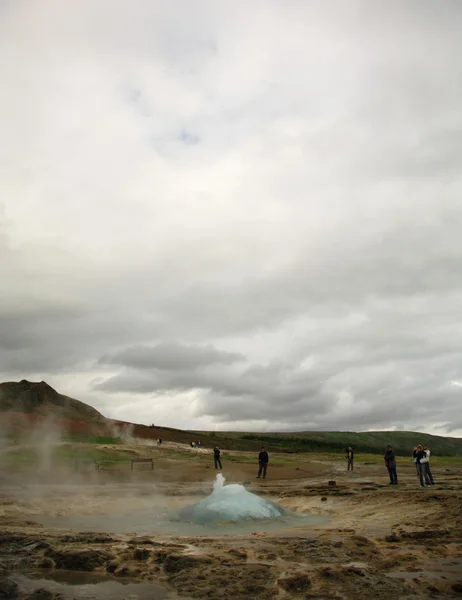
(381, 541)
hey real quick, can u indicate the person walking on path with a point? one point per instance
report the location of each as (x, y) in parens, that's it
(427, 461)
(216, 457)
(350, 456)
(390, 462)
(422, 466)
(263, 461)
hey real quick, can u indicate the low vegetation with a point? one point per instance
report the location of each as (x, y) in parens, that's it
(36, 410)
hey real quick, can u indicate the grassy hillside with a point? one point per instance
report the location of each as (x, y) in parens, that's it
(28, 406)
(402, 442)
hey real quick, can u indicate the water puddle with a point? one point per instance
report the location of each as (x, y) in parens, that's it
(228, 510)
(165, 524)
(86, 586)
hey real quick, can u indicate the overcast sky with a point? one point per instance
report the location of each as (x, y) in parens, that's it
(235, 214)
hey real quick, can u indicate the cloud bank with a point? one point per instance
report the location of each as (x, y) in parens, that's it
(234, 216)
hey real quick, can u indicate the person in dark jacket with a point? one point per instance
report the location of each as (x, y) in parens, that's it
(263, 461)
(216, 457)
(414, 455)
(390, 462)
(350, 456)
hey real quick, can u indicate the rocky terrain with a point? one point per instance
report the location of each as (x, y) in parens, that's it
(375, 540)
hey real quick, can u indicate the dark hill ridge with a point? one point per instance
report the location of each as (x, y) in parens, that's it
(40, 398)
(26, 405)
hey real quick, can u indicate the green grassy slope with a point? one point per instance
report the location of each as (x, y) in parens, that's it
(40, 399)
(402, 442)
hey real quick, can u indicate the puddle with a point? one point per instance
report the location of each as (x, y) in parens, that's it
(86, 586)
(149, 523)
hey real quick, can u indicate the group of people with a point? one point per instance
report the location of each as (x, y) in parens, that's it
(420, 454)
(263, 460)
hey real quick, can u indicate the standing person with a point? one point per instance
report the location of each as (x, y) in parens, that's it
(216, 457)
(390, 462)
(422, 466)
(427, 460)
(263, 461)
(350, 457)
(414, 455)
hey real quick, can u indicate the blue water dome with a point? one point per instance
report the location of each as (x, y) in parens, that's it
(230, 503)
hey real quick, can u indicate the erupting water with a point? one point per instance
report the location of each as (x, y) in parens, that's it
(231, 503)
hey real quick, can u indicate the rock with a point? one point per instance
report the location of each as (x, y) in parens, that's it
(323, 499)
(43, 594)
(8, 589)
(124, 571)
(112, 566)
(354, 571)
(175, 564)
(78, 560)
(45, 563)
(141, 554)
(296, 583)
(37, 546)
(87, 538)
(143, 540)
(238, 553)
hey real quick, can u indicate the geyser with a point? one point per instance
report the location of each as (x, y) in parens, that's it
(231, 503)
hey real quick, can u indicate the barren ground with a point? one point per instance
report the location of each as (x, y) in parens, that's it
(379, 541)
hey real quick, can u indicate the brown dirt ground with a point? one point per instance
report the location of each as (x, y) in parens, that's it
(380, 541)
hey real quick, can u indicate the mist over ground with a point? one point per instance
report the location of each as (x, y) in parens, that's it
(235, 217)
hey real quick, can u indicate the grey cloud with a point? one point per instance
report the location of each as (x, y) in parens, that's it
(172, 356)
(305, 254)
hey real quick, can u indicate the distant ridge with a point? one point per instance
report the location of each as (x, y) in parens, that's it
(40, 398)
(26, 405)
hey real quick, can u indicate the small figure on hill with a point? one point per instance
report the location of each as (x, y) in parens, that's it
(422, 465)
(390, 462)
(216, 457)
(426, 460)
(263, 461)
(350, 457)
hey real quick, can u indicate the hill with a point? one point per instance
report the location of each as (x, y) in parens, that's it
(26, 405)
(40, 398)
(373, 442)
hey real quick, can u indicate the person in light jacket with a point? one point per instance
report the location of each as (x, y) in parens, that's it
(427, 460)
(422, 464)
